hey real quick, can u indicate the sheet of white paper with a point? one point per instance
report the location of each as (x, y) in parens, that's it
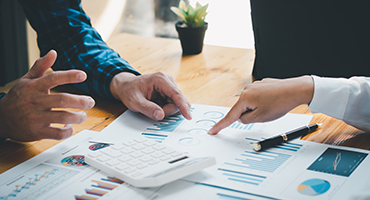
(60, 173)
(295, 170)
(131, 125)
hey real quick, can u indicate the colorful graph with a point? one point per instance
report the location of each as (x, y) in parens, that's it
(36, 182)
(313, 187)
(76, 160)
(98, 146)
(338, 162)
(289, 146)
(267, 161)
(101, 187)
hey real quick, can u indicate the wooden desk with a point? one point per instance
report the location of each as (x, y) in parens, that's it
(214, 77)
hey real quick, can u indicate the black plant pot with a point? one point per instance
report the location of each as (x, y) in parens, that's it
(191, 38)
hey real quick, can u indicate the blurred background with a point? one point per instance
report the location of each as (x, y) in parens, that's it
(229, 22)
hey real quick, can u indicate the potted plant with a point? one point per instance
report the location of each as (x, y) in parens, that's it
(192, 28)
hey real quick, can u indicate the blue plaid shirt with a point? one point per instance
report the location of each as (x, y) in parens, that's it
(64, 26)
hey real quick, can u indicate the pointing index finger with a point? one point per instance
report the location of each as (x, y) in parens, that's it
(234, 114)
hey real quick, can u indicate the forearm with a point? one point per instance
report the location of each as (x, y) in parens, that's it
(63, 26)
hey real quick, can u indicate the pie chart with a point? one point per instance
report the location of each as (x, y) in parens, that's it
(313, 187)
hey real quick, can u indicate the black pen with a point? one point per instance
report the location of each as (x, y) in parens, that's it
(285, 137)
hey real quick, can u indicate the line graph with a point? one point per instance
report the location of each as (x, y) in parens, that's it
(36, 182)
(337, 161)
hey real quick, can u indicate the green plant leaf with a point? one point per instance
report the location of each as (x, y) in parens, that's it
(193, 17)
(179, 13)
(182, 5)
(198, 6)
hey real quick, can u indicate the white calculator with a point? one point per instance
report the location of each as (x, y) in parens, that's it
(142, 162)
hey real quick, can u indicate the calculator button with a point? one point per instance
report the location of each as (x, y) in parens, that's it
(125, 158)
(103, 158)
(153, 162)
(159, 147)
(94, 154)
(176, 154)
(134, 162)
(141, 139)
(112, 153)
(141, 166)
(150, 143)
(136, 154)
(129, 143)
(146, 158)
(168, 151)
(113, 162)
(138, 147)
(157, 154)
(127, 150)
(147, 151)
(165, 157)
(118, 146)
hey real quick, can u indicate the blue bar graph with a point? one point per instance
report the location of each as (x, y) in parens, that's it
(241, 126)
(266, 161)
(168, 124)
(242, 177)
(154, 136)
(253, 195)
(226, 196)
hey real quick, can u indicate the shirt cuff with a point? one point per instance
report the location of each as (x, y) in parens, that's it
(330, 96)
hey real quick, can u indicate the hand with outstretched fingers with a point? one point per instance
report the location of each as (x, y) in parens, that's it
(26, 111)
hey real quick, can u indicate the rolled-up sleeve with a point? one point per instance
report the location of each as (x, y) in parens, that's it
(62, 25)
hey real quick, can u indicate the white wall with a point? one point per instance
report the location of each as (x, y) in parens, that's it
(229, 23)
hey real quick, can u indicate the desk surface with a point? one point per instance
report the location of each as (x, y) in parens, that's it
(214, 77)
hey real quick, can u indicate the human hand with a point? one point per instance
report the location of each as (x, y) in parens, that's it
(267, 100)
(155, 95)
(26, 110)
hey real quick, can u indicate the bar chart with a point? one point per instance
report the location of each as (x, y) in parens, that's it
(99, 188)
(159, 131)
(266, 161)
(242, 177)
(241, 126)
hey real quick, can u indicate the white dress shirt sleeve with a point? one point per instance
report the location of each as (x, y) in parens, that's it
(345, 99)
